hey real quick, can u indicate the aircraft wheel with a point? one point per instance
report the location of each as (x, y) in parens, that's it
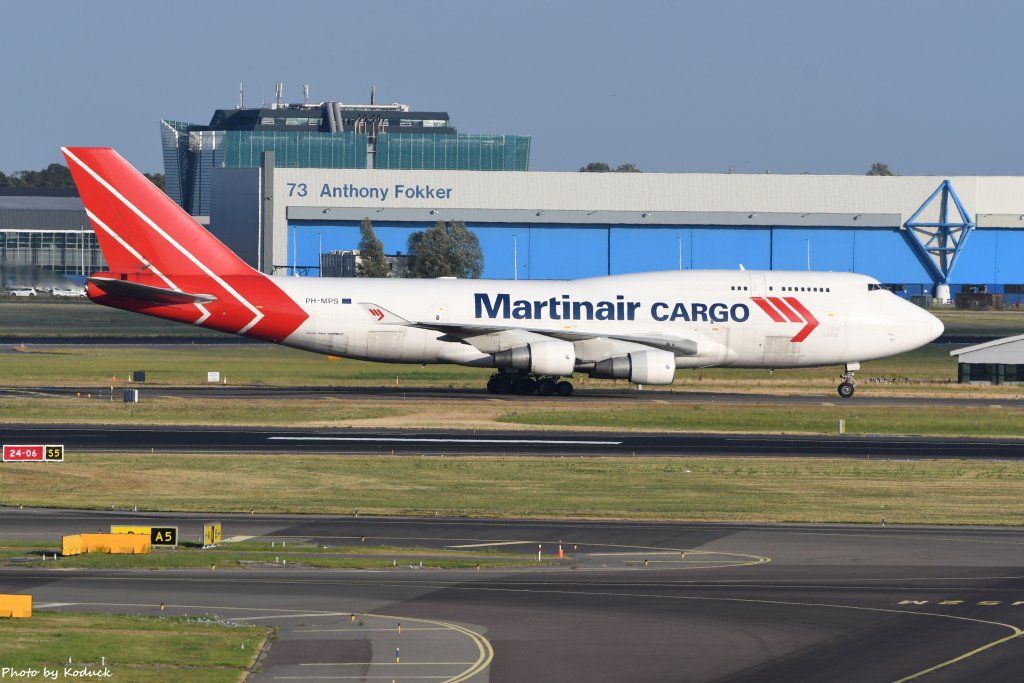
(499, 384)
(564, 388)
(547, 387)
(524, 386)
(846, 390)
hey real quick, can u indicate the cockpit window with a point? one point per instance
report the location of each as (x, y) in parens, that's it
(874, 286)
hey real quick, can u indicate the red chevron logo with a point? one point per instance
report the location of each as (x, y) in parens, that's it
(788, 309)
(377, 313)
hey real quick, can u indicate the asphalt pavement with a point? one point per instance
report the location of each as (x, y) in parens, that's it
(631, 601)
(84, 438)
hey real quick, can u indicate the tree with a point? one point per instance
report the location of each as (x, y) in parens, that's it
(879, 169)
(466, 252)
(601, 167)
(430, 251)
(157, 179)
(54, 175)
(446, 250)
(371, 253)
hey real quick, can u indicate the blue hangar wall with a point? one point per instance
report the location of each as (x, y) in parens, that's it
(572, 225)
(556, 251)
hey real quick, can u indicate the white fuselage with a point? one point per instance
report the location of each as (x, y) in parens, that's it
(742, 318)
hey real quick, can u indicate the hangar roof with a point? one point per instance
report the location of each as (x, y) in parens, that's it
(1005, 351)
(641, 198)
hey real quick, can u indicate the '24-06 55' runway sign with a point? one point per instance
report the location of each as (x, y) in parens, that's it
(33, 453)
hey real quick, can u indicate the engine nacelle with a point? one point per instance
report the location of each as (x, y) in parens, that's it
(639, 367)
(549, 357)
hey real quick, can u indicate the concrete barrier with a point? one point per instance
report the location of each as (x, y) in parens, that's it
(71, 545)
(16, 606)
(116, 544)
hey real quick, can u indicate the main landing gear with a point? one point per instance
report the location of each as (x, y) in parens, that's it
(524, 383)
(848, 384)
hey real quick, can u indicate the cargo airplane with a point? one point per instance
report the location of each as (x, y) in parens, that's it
(641, 327)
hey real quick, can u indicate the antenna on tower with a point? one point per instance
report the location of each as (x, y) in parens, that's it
(278, 93)
(241, 96)
(373, 92)
(305, 94)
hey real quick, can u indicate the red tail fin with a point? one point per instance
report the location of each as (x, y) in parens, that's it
(124, 206)
(149, 240)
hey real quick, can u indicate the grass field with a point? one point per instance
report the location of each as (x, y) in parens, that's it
(83, 318)
(136, 649)
(928, 370)
(542, 414)
(705, 489)
(231, 555)
(676, 488)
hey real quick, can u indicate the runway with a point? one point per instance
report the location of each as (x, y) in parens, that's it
(794, 603)
(87, 438)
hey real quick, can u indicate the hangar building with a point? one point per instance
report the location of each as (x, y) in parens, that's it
(915, 233)
(45, 231)
(999, 361)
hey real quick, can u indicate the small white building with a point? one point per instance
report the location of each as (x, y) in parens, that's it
(1000, 361)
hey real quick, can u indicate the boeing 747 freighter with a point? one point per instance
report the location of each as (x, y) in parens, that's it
(640, 327)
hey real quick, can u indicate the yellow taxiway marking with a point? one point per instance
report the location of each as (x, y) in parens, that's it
(364, 630)
(1015, 632)
(387, 663)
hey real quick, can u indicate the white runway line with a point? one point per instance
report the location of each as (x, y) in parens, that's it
(490, 545)
(389, 439)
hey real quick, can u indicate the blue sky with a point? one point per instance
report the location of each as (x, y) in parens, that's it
(929, 87)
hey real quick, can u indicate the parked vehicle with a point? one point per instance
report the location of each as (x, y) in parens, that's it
(21, 291)
(69, 293)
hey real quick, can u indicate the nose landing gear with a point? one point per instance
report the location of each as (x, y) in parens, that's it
(848, 384)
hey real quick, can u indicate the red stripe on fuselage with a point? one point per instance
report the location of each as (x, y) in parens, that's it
(786, 310)
(768, 308)
(812, 322)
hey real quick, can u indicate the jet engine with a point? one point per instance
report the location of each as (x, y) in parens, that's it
(548, 357)
(639, 367)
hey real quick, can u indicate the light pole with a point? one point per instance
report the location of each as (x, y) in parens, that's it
(515, 258)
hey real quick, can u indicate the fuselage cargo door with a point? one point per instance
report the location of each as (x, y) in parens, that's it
(747, 338)
(757, 284)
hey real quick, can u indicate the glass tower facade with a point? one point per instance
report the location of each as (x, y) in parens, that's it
(325, 135)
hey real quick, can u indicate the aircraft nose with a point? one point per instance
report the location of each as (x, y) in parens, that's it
(937, 327)
(925, 327)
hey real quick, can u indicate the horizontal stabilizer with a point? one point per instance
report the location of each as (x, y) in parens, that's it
(157, 295)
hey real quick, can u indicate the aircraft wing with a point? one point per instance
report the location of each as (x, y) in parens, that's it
(677, 345)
